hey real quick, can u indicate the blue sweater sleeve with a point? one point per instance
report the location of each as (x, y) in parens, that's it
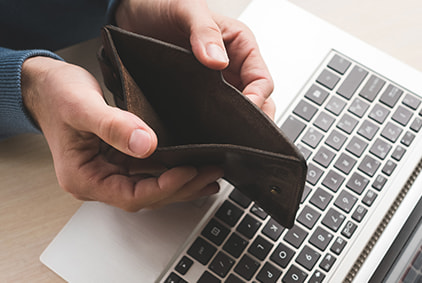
(14, 118)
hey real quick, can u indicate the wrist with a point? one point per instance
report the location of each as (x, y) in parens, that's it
(34, 71)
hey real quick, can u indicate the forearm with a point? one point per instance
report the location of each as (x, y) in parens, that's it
(14, 118)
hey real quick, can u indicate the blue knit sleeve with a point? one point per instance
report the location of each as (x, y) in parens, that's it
(14, 119)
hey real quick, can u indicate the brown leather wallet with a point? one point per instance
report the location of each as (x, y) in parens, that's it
(202, 120)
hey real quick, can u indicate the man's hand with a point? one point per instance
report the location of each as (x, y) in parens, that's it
(98, 150)
(67, 103)
(218, 42)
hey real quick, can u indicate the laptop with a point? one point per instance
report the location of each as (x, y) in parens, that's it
(356, 115)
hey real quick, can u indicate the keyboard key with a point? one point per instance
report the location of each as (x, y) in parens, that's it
(356, 146)
(369, 165)
(246, 267)
(327, 262)
(345, 163)
(260, 248)
(358, 107)
(229, 213)
(202, 251)
(328, 79)
(389, 167)
(292, 128)
(305, 193)
(321, 198)
(338, 245)
(335, 105)
(268, 273)
(272, 230)
(368, 130)
(174, 278)
(411, 101)
(208, 278)
(307, 257)
(357, 183)
(282, 255)
(317, 277)
(359, 213)
(305, 110)
(248, 226)
(235, 245)
(324, 156)
(372, 88)
(233, 279)
(321, 238)
(407, 138)
(308, 217)
(333, 219)
(324, 121)
(369, 198)
(304, 150)
(221, 264)
(295, 236)
(339, 64)
(345, 201)
(312, 137)
(349, 229)
(380, 149)
(391, 132)
(347, 123)
(416, 124)
(215, 232)
(398, 153)
(402, 115)
(240, 198)
(294, 275)
(379, 182)
(379, 113)
(352, 82)
(314, 174)
(316, 94)
(391, 95)
(333, 180)
(336, 140)
(259, 212)
(184, 264)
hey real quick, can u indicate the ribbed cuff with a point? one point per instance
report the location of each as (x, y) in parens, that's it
(14, 118)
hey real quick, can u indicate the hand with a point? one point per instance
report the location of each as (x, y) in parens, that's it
(218, 42)
(67, 103)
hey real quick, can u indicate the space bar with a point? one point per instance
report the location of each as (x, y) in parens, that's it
(292, 128)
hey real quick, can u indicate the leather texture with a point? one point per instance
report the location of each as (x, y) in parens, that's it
(202, 120)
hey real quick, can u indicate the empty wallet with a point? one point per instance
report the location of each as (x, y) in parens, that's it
(200, 120)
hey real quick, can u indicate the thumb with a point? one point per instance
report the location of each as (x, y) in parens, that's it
(122, 130)
(205, 37)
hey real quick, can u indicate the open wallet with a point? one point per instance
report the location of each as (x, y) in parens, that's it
(200, 119)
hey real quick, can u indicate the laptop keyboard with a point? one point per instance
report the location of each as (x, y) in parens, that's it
(353, 127)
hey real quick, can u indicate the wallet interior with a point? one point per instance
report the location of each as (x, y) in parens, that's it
(200, 119)
(193, 104)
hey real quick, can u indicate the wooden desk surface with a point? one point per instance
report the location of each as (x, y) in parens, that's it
(33, 208)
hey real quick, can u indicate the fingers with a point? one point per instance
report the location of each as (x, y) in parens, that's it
(205, 36)
(105, 182)
(120, 129)
(247, 70)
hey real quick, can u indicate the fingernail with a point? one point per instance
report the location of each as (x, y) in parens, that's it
(217, 53)
(140, 142)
